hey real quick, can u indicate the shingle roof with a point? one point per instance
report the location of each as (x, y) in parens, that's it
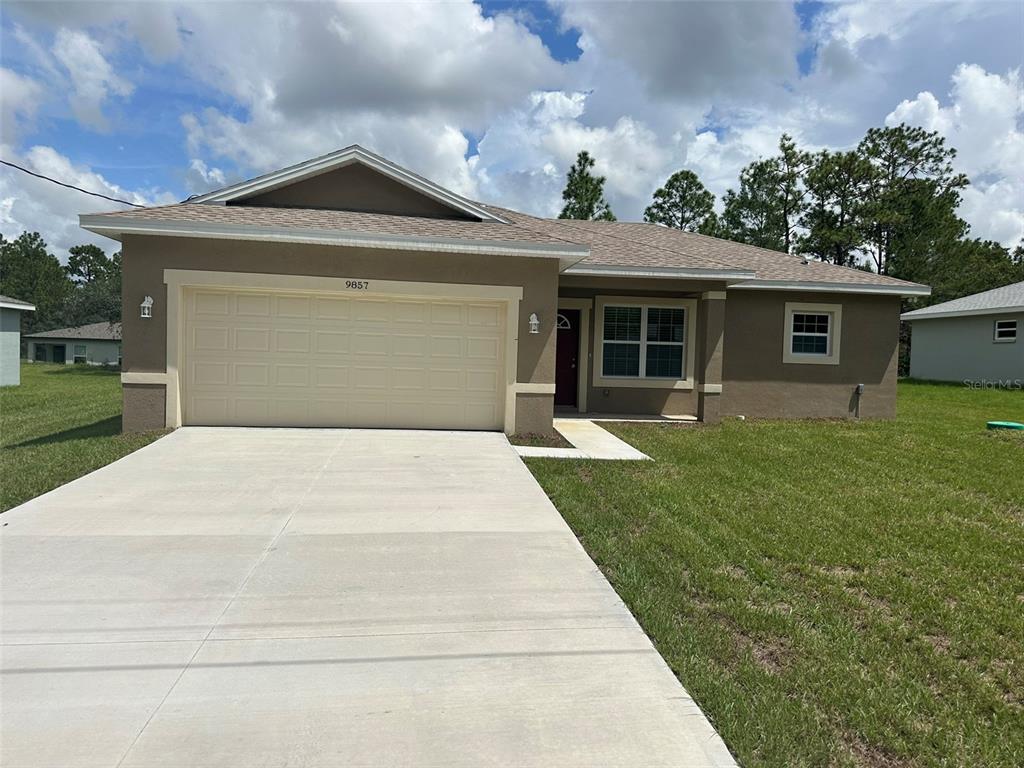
(8, 303)
(91, 332)
(335, 220)
(639, 244)
(1008, 298)
(623, 247)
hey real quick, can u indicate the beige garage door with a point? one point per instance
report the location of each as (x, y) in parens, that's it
(256, 358)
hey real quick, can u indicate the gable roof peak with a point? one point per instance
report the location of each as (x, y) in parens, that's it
(354, 153)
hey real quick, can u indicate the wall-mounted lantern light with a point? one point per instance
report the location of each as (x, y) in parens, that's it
(534, 323)
(147, 307)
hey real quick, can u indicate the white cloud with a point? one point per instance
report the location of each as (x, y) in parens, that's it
(21, 96)
(93, 80)
(28, 204)
(983, 122)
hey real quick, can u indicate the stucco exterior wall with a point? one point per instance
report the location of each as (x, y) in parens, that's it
(638, 400)
(10, 347)
(757, 383)
(353, 188)
(144, 260)
(962, 349)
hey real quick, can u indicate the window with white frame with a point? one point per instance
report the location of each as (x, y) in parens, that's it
(79, 353)
(641, 341)
(1004, 330)
(812, 333)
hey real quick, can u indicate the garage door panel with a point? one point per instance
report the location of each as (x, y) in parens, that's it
(283, 359)
(252, 305)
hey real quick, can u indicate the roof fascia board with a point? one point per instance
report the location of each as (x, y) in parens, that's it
(21, 307)
(824, 287)
(111, 227)
(601, 270)
(962, 313)
(340, 159)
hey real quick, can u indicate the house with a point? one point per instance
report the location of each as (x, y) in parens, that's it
(348, 291)
(10, 339)
(973, 338)
(93, 344)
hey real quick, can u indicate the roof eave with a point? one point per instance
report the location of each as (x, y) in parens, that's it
(19, 307)
(1010, 310)
(809, 286)
(116, 227)
(696, 273)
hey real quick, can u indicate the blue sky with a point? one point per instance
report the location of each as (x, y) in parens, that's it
(153, 102)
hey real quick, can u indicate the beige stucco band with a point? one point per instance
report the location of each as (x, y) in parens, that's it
(710, 389)
(179, 279)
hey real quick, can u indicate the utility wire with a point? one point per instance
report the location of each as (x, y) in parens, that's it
(70, 186)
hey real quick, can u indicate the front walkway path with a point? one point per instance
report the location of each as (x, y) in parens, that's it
(589, 441)
(244, 597)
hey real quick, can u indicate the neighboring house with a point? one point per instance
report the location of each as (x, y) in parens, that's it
(10, 339)
(93, 344)
(348, 291)
(975, 338)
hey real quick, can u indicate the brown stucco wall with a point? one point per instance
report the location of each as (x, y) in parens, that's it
(354, 188)
(637, 400)
(143, 407)
(145, 258)
(534, 413)
(756, 383)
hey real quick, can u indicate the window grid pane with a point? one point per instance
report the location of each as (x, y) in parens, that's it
(665, 361)
(810, 345)
(665, 324)
(1006, 329)
(806, 323)
(622, 323)
(620, 359)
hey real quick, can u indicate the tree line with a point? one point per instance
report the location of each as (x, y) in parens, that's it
(888, 206)
(87, 290)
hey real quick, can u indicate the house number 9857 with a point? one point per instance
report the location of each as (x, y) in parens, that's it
(357, 285)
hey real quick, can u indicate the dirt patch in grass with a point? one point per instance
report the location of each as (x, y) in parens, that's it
(872, 755)
(536, 440)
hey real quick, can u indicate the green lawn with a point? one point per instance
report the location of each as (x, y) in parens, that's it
(60, 423)
(831, 593)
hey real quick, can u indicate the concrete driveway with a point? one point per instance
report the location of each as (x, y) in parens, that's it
(276, 597)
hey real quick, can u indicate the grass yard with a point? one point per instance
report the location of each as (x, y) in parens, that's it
(60, 423)
(831, 593)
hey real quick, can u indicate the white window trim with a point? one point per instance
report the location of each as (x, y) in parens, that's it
(835, 311)
(689, 347)
(1008, 340)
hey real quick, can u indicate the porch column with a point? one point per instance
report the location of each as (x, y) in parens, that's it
(710, 344)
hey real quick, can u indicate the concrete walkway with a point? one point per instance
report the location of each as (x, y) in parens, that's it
(242, 597)
(589, 441)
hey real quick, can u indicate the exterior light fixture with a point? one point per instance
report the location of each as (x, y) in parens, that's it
(534, 323)
(147, 307)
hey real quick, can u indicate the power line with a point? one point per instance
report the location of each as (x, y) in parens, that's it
(70, 186)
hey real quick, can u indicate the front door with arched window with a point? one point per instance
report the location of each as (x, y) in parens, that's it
(567, 350)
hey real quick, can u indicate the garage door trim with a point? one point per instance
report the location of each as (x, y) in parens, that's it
(177, 280)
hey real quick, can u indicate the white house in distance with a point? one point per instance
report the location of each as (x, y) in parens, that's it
(974, 338)
(93, 344)
(10, 339)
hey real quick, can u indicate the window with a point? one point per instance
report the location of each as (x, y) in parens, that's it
(40, 353)
(1004, 331)
(812, 333)
(79, 353)
(644, 342)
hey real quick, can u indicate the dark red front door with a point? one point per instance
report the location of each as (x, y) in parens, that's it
(567, 351)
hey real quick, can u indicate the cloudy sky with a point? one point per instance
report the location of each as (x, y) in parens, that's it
(153, 101)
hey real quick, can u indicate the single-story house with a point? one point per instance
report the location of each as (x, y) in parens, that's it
(10, 339)
(349, 291)
(975, 338)
(92, 344)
